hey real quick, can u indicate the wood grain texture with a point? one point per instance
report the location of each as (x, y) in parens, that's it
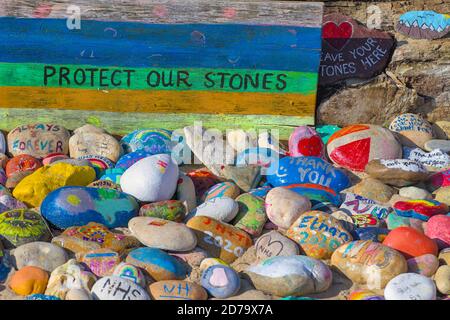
(174, 11)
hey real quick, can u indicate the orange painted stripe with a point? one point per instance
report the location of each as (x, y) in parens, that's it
(247, 103)
(347, 130)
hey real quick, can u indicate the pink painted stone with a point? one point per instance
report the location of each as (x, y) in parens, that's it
(440, 179)
(425, 265)
(438, 228)
(305, 141)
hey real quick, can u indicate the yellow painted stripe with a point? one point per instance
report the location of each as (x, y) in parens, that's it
(159, 101)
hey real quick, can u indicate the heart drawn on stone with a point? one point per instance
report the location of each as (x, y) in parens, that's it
(337, 36)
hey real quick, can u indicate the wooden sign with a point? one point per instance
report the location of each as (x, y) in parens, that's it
(139, 64)
(350, 50)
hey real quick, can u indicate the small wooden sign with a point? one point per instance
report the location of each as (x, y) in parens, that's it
(136, 64)
(351, 50)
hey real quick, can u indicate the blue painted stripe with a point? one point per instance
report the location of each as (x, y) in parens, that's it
(233, 46)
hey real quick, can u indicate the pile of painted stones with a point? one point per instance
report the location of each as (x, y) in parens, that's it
(357, 213)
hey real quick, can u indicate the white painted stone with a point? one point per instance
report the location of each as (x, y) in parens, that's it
(221, 208)
(410, 286)
(117, 288)
(414, 193)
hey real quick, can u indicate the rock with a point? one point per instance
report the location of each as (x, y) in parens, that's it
(246, 260)
(21, 163)
(34, 188)
(38, 296)
(274, 244)
(177, 290)
(100, 261)
(290, 276)
(354, 146)
(202, 179)
(127, 160)
(318, 234)
(157, 263)
(15, 178)
(368, 262)
(99, 163)
(261, 191)
(53, 157)
(112, 175)
(438, 229)
(271, 141)
(151, 140)
(374, 234)
(413, 130)
(423, 24)
(70, 280)
(221, 208)
(441, 129)
(89, 140)
(444, 256)
(220, 281)
(420, 209)
(284, 206)
(398, 172)
(442, 279)
(173, 210)
(38, 140)
(434, 160)
(316, 193)
(367, 50)
(219, 239)
(298, 170)
(193, 257)
(21, 226)
(162, 234)
(443, 145)
(364, 212)
(374, 189)
(305, 141)
(105, 184)
(44, 255)
(252, 214)
(117, 288)
(74, 162)
(29, 280)
(76, 206)
(8, 202)
(151, 179)
(394, 221)
(2, 143)
(425, 265)
(326, 131)
(227, 189)
(186, 192)
(410, 242)
(240, 140)
(208, 262)
(246, 177)
(410, 286)
(93, 236)
(130, 272)
(364, 295)
(415, 193)
(443, 195)
(439, 179)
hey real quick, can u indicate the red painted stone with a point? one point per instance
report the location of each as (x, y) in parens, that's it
(438, 228)
(20, 163)
(354, 146)
(203, 179)
(410, 242)
(305, 141)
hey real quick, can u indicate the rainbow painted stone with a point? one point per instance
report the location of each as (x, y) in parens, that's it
(101, 262)
(172, 210)
(130, 272)
(77, 206)
(251, 216)
(152, 140)
(113, 175)
(420, 209)
(354, 146)
(160, 265)
(316, 193)
(314, 170)
(228, 189)
(305, 141)
(99, 163)
(364, 295)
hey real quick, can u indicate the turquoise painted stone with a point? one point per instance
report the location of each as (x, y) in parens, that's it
(76, 206)
(152, 140)
(131, 158)
(160, 265)
(294, 170)
(113, 175)
(326, 131)
(41, 297)
(261, 191)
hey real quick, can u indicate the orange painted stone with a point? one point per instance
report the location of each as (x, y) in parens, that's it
(29, 280)
(20, 163)
(410, 242)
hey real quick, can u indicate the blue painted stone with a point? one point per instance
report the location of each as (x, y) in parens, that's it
(297, 298)
(5, 266)
(221, 281)
(38, 296)
(131, 158)
(77, 206)
(113, 175)
(370, 233)
(316, 193)
(160, 265)
(294, 170)
(152, 140)
(326, 207)
(261, 191)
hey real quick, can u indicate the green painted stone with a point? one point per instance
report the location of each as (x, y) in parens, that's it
(21, 226)
(326, 131)
(252, 215)
(173, 210)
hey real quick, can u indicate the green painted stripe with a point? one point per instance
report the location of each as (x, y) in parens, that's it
(123, 123)
(32, 75)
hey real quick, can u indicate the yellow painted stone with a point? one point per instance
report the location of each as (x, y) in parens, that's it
(34, 188)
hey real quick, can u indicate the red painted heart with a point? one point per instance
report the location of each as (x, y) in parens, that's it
(337, 36)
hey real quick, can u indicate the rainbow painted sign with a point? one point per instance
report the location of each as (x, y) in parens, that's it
(228, 64)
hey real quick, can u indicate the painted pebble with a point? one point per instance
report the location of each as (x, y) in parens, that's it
(100, 261)
(44, 255)
(442, 279)
(117, 288)
(177, 290)
(173, 210)
(433, 144)
(220, 208)
(413, 129)
(433, 160)
(410, 286)
(425, 265)
(252, 214)
(151, 140)
(29, 280)
(305, 141)
(438, 228)
(186, 192)
(410, 242)
(20, 163)
(397, 172)
(274, 244)
(221, 281)
(228, 189)
(364, 295)
(130, 272)
(420, 209)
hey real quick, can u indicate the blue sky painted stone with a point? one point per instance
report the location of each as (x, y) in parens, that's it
(221, 281)
(424, 24)
(77, 206)
(151, 140)
(294, 170)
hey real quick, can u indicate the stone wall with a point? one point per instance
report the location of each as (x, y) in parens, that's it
(416, 80)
